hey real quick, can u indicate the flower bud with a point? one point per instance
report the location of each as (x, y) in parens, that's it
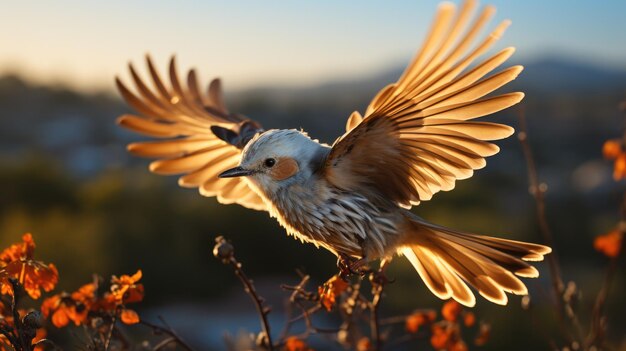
(223, 250)
(32, 320)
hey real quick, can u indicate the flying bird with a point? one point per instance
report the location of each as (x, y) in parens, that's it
(417, 137)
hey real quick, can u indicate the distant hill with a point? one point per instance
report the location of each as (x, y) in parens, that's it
(574, 100)
(550, 74)
(554, 74)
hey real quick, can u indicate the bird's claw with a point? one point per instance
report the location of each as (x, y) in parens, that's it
(350, 266)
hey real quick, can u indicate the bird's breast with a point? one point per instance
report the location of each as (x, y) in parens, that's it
(342, 222)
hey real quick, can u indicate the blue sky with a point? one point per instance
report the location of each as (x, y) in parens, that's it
(85, 43)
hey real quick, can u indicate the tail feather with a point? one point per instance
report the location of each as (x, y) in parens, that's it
(448, 261)
(480, 265)
(471, 271)
(428, 270)
(511, 261)
(460, 291)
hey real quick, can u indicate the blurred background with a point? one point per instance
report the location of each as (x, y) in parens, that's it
(65, 175)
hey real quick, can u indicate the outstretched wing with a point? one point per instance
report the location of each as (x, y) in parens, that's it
(418, 135)
(200, 137)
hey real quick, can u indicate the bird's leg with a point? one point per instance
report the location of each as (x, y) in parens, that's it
(344, 272)
(349, 265)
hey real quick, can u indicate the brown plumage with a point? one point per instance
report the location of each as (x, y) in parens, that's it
(416, 138)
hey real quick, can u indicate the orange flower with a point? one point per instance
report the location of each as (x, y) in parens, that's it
(125, 290)
(85, 293)
(609, 244)
(129, 317)
(450, 310)
(440, 338)
(334, 287)
(76, 306)
(469, 319)
(611, 149)
(364, 344)
(414, 322)
(63, 310)
(41, 334)
(17, 262)
(619, 167)
(107, 303)
(417, 319)
(20, 251)
(294, 344)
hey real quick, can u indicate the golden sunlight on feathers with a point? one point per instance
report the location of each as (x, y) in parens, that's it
(417, 137)
(428, 115)
(185, 117)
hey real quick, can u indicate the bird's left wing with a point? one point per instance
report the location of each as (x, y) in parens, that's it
(418, 135)
(200, 137)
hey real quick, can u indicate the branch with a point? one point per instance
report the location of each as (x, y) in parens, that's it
(225, 252)
(17, 321)
(174, 337)
(107, 341)
(378, 281)
(377, 290)
(597, 327)
(537, 190)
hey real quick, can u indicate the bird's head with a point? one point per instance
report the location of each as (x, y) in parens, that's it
(278, 158)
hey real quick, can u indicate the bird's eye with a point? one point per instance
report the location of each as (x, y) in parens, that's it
(270, 162)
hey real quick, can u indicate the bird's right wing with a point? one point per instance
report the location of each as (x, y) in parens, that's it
(201, 138)
(418, 135)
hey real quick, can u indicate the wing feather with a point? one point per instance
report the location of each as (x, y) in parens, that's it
(192, 161)
(419, 135)
(170, 148)
(184, 117)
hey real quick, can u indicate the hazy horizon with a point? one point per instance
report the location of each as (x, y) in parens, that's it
(252, 44)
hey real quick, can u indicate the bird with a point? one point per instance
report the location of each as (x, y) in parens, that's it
(417, 137)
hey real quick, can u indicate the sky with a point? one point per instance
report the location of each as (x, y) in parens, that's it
(85, 43)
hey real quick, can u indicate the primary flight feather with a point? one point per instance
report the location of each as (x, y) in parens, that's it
(417, 137)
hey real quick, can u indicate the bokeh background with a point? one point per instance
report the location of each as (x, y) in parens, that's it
(65, 175)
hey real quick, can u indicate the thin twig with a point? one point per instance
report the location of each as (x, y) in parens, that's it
(596, 322)
(52, 344)
(352, 305)
(374, 323)
(19, 326)
(309, 311)
(378, 281)
(290, 322)
(537, 190)
(164, 343)
(310, 329)
(169, 331)
(258, 301)
(225, 252)
(297, 292)
(596, 329)
(107, 342)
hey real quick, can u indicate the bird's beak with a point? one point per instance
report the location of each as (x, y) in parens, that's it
(236, 172)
